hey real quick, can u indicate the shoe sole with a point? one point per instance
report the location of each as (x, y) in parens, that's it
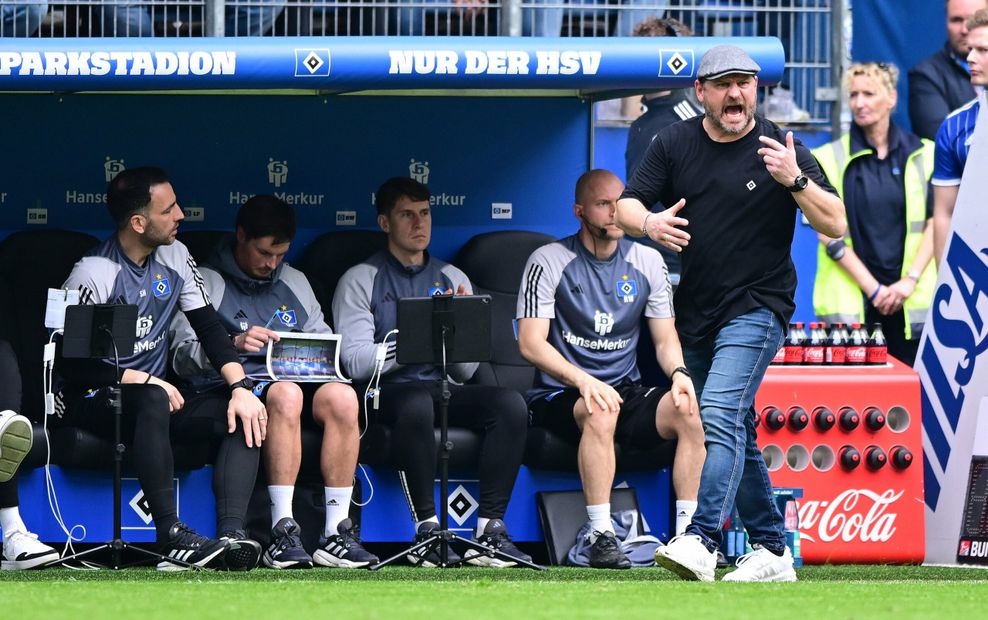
(685, 572)
(323, 558)
(476, 558)
(611, 567)
(32, 563)
(170, 567)
(243, 555)
(16, 439)
(787, 576)
(270, 562)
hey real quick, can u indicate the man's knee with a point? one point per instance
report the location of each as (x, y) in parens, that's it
(599, 423)
(335, 403)
(674, 420)
(284, 401)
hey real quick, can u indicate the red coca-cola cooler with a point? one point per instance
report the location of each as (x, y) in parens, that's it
(851, 438)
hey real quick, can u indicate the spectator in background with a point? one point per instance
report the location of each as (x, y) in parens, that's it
(21, 548)
(942, 82)
(23, 19)
(954, 136)
(880, 271)
(443, 17)
(252, 18)
(662, 108)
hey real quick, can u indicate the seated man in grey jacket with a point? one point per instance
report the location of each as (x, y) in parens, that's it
(365, 312)
(256, 293)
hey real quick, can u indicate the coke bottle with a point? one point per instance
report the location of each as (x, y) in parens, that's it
(877, 354)
(849, 457)
(857, 346)
(835, 354)
(901, 457)
(794, 344)
(813, 349)
(875, 458)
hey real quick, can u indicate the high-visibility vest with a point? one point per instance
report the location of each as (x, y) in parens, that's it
(836, 296)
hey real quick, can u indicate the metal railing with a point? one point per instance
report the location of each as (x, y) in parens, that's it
(810, 30)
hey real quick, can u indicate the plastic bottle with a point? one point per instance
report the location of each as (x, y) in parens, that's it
(849, 457)
(835, 354)
(900, 457)
(857, 346)
(794, 344)
(875, 458)
(815, 344)
(797, 419)
(877, 354)
(824, 418)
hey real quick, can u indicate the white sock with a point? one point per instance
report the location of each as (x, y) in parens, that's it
(10, 521)
(432, 519)
(481, 524)
(337, 508)
(281, 501)
(684, 514)
(600, 520)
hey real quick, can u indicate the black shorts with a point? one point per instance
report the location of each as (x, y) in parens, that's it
(635, 424)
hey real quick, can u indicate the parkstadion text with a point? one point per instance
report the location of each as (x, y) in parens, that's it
(118, 63)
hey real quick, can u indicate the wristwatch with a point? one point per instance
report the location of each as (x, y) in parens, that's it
(799, 184)
(247, 383)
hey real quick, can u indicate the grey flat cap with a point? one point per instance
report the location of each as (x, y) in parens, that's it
(723, 60)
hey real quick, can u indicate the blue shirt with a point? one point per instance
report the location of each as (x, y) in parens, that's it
(954, 143)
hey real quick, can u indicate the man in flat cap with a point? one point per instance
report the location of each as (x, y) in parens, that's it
(734, 180)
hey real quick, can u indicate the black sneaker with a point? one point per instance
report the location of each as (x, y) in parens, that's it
(185, 545)
(495, 538)
(343, 550)
(244, 553)
(606, 552)
(286, 550)
(429, 556)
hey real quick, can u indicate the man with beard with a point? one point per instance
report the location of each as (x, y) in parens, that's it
(580, 312)
(734, 181)
(142, 264)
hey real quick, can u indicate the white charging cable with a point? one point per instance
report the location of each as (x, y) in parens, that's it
(48, 370)
(373, 393)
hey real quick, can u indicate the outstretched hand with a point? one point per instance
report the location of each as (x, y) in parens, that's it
(662, 228)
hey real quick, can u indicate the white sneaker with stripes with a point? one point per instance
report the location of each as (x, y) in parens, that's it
(15, 442)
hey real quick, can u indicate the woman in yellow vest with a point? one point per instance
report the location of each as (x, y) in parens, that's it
(881, 271)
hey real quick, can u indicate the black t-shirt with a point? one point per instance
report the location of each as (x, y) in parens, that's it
(741, 222)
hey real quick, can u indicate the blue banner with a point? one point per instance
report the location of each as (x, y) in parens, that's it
(357, 63)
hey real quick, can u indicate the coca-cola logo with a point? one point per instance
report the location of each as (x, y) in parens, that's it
(854, 515)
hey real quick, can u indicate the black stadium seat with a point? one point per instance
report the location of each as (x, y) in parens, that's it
(31, 262)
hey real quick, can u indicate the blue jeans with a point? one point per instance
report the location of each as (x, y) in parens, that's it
(727, 369)
(22, 20)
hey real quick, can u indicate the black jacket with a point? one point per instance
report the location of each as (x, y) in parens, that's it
(937, 87)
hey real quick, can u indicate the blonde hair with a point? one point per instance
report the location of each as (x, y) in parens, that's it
(884, 74)
(978, 20)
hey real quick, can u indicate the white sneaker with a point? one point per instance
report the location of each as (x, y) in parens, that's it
(763, 565)
(15, 442)
(23, 550)
(688, 557)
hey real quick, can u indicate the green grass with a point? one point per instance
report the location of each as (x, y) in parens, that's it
(826, 592)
